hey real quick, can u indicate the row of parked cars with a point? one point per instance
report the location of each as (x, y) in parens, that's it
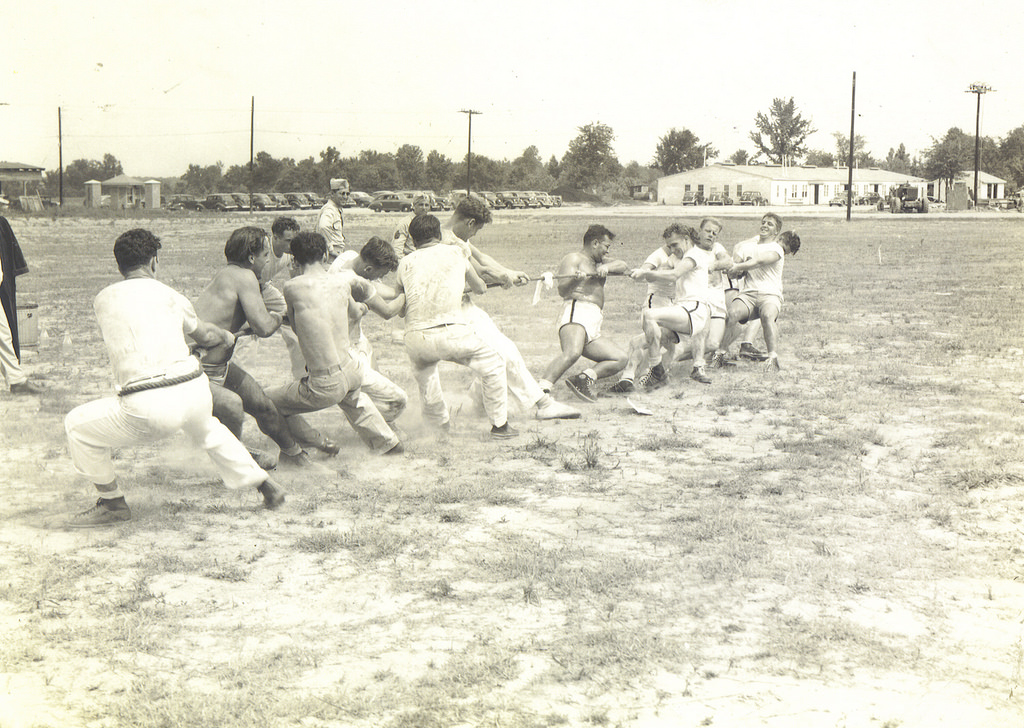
(387, 201)
(233, 201)
(717, 198)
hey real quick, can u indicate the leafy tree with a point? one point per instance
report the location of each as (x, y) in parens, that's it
(553, 168)
(372, 171)
(438, 171)
(81, 171)
(898, 160)
(529, 173)
(861, 157)
(111, 167)
(265, 172)
(1011, 153)
(781, 134)
(740, 156)
(949, 156)
(488, 174)
(409, 162)
(201, 180)
(590, 160)
(820, 158)
(680, 150)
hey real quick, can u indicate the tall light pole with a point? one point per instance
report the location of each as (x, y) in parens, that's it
(469, 149)
(979, 89)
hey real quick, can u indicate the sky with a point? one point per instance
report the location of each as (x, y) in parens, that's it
(164, 85)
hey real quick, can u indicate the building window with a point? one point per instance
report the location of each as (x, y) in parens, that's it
(686, 188)
(700, 191)
(804, 191)
(725, 190)
(794, 190)
(739, 190)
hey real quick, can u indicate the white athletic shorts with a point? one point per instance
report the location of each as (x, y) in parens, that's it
(716, 301)
(586, 314)
(699, 313)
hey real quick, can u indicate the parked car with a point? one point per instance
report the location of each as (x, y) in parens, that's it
(222, 202)
(298, 200)
(263, 202)
(492, 199)
(393, 202)
(243, 200)
(511, 200)
(444, 202)
(315, 200)
(545, 199)
(868, 198)
(752, 198)
(531, 199)
(715, 198)
(690, 198)
(281, 200)
(838, 201)
(556, 200)
(183, 202)
(362, 199)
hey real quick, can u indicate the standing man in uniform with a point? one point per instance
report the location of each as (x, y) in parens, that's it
(161, 388)
(403, 241)
(12, 264)
(331, 223)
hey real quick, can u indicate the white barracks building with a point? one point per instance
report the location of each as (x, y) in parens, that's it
(793, 185)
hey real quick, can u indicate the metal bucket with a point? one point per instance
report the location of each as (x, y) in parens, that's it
(28, 324)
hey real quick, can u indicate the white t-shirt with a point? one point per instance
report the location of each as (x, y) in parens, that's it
(660, 260)
(343, 261)
(144, 324)
(716, 279)
(433, 279)
(694, 285)
(767, 278)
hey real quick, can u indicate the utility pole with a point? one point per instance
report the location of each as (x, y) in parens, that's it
(469, 149)
(979, 89)
(60, 159)
(853, 116)
(252, 134)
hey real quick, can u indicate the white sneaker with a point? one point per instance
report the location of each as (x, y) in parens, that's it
(548, 408)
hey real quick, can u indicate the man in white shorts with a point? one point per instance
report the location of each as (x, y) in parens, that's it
(677, 239)
(375, 260)
(469, 218)
(691, 312)
(161, 388)
(761, 296)
(581, 276)
(433, 278)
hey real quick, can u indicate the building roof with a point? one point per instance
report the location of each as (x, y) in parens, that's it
(983, 178)
(800, 173)
(19, 167)
(123, 180)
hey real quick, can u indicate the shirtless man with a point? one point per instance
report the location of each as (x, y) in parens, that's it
(160, 388)
(233, 300)
(433, 278)
(375, 260)
(318, 309)
(761, 296)
(469, 218)
(581, 276)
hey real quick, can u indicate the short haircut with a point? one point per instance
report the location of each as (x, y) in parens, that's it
(677, 228)
(474, 207)
(134, 249)
(421, 198)
(790, 239)
(596, 232)
(283, 224)
(243, 242)
(773, 216)
(714, 220)
(379, 253)
(424, 228)
(308, 247)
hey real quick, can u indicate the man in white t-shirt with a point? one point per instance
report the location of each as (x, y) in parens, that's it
(433, 278)
(761, 296)
(677, 239)
(161, 388)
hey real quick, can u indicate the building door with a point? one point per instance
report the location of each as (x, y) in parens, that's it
(816, 191)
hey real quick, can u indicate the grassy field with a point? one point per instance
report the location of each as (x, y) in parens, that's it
(838, 544)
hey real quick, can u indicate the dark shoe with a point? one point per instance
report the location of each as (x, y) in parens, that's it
(623, 386)
(26, 388)
(272, 494)
(397, 449)
(327, 445)
(264, 460)
(751, 352)
(656, 377)
(101, 514)
(299, 460)
(698, 375)
(504, 432)
(582, 386)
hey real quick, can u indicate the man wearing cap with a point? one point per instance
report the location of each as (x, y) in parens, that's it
(330, 223)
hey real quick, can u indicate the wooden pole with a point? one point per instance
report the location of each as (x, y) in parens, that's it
(853, 116)
(252, 134)
(60, 159)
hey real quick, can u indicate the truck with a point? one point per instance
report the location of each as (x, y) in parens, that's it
(907, 198)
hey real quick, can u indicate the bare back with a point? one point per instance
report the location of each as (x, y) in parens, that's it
(220, 303)
(318, 305)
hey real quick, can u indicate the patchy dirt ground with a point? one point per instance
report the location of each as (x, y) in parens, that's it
(838, 545)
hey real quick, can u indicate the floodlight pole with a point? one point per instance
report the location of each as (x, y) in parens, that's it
(469, 149)
(979, 89)
(849, 184)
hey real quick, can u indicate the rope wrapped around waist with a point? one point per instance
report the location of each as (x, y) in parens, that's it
(158, 383)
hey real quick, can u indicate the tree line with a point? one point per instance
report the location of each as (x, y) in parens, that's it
(589, 166)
